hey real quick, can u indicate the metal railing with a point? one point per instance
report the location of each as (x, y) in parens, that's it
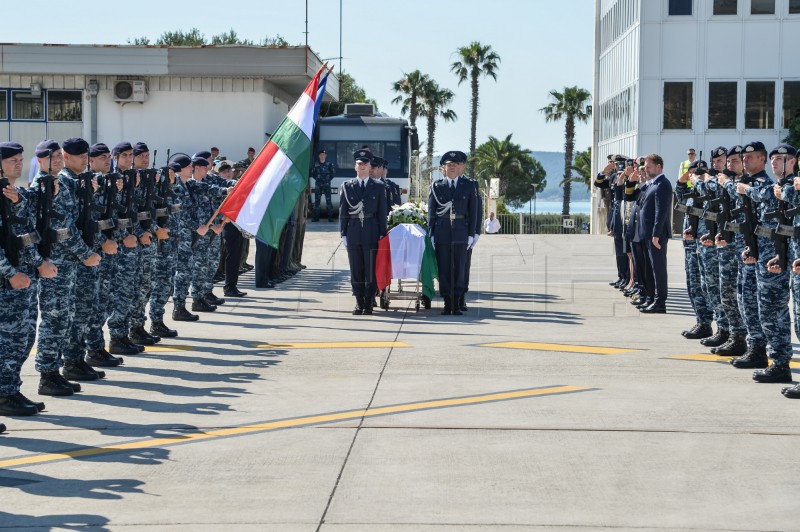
(543, 224)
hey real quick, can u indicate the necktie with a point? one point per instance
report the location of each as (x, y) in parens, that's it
(452, 186)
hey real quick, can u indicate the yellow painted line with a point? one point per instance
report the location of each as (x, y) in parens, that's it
(330, 345)
(704, 357)
(291, 423)
(534, 346)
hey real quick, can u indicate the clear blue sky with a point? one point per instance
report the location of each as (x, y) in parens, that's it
(543, 44)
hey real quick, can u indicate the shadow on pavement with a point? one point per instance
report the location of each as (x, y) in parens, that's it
(55, 522)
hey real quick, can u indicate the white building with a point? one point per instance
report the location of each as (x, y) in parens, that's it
(675, 74)
(184, 99)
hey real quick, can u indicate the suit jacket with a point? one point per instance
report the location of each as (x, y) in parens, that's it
(375, 209)
(655, 211)
(463, 206)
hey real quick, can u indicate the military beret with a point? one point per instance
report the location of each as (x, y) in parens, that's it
(176, 167)
(362, 155)
(222, 166)
(251, 149)
(755, 146)
(121, 147)
(9, 149)
(199, 161)
(214, 148)
(96, 150)
(75, 146)
(204, 154)
(783, 149)
(699, 165)
(182, 161)
(453, 157)
(139, 148)
(719, 152)
(46, 147)
(736, 150)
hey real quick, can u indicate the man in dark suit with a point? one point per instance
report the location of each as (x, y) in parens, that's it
(451, 209)
(654, 228)
(363, 212)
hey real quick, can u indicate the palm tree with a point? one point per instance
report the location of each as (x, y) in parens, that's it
(474, 61)
(410, 87)
(434, 102)
(521, 176)
(583, 166)
(570, 105)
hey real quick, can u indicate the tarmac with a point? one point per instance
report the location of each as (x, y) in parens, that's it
(551, 404)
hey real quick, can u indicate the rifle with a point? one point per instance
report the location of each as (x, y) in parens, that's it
(748, 227)
(784, 230)
(691, 212)
(11, 243)
(163, 191)
(106, 223)
(45, 214)
(85, 222)
(129, 198)
(721, 210)
(147, 179)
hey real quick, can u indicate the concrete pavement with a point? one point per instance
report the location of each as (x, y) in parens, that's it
(255, 419)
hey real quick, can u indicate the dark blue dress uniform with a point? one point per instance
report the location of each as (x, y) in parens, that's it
(363, 212)
(451, 209)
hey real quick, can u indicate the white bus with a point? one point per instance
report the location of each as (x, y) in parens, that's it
(387, 137)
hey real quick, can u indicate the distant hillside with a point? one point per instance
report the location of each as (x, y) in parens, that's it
(553, 163)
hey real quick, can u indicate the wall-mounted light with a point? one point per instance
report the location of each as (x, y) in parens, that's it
(93, 87)
(36, 90)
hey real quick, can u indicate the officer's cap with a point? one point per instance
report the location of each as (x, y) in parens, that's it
(46, 147)
(719, 152)
(736, 150)
(377, 162)
(222, 166)
(182, 161)
(755, 146)
(251, 149)
(321, 151)
(620, 158)
(121, 148)
(9, 149)
(176, 167)
(199, 161)
(362, 155)
(783, 149)
(454, 157)
(140, 148)
(204, 154)
(214, 148)
(96, 150)
(75, 146)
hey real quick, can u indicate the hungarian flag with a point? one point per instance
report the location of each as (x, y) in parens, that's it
(266, 194)
(406, 253)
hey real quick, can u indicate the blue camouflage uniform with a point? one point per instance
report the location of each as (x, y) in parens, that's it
(792, 198)
(323, 174)
(709, 259)
(166, 257)
(203, 267)
(187, 224)
(694, 280)
(729, 265)
(146, 253)
(215, 240)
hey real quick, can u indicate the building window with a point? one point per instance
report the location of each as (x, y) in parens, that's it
(3, 105)
(762, 7)
(791, 102)
(26, 106)
(794, 7)
(64, 106)
(678, 105)
(722, 105)
(680, 7)
(760, 106)
(725, 7)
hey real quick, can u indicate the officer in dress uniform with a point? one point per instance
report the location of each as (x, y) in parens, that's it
(363, 210)
(323, 173)
(451, 208)
(396, 196)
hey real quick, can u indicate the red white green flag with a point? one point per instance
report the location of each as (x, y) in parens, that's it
(266, 194)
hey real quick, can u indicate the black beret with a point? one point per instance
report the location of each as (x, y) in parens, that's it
(699, 165)
(736, 150)
(46, 147)
(176, 167)
(755, 146)
(362, 155)
(75, 146)
(96, 150)
(203, 154)
(199, 161)
(783, 149)
(454, 157)
(182, 161)
(139, 148)
(9, 149)
(719, 152)
(122, 147)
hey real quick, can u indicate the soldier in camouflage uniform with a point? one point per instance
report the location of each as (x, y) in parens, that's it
(214, 178)
(323, 173)
(190, 229)
(17, 291)
(773, 287)
(791, 194)
(57, 295)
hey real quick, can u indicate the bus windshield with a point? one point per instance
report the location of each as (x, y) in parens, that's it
(340, 152)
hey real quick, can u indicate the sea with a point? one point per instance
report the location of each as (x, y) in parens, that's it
(543, 206)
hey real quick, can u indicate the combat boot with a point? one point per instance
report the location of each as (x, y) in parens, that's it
(139, 336)
(127, 341)
(368, 306)
(2, 428)
(158, 327)
(359, 310)
(81, 371)
(717, 340)
(118, 346)
(39, 405)
(462, 303)
(755, 357)
(698, 332)
(734, 347)
(456, 307)
(102, 359)
(52, 383)
(791, 392)
(774, 373)
(213, 300)
(200, 305)
(448, 309)
(179, 313)
(11, 405)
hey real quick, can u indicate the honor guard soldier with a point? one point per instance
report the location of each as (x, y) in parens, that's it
(451, 208)
(323, 173)
(363, 212)
(190, 230)
(397, 197)
(19, 262)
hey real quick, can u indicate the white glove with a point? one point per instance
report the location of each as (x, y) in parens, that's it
(344, 241)
(470, 240)
(432, 244)
(475, 242)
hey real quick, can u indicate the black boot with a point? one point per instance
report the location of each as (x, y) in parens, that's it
(200, 305)
(11, 405)
(359, 310)
(698, 331)
(52, 383)
(462, 303)
(448, 307)
(774, 373)
(791, 392)
(180, 313)
(38, 404)
(81, 371)
(368, 305)
(119, 346)
(139, 336)
(139, 347)
(101, 358)
(213, 300)
(734, 347)
(717, 340)
(158, 328)
(456, 307)
(755, 357)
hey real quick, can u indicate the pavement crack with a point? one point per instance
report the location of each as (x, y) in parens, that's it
(519, 248)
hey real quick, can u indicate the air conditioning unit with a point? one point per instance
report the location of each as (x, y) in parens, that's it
(130, 90)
